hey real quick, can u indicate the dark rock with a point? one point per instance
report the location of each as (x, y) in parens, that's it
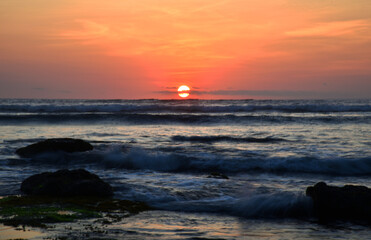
(217, 175)
(341, 203)
(55, 144)
(66, 183)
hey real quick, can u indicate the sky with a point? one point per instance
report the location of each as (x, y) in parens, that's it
(235, 49)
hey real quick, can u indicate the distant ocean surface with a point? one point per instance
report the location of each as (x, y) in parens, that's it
(162, 152)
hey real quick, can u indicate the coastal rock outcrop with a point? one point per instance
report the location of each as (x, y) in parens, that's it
(349, 202)
(66, 183)
(55, 144)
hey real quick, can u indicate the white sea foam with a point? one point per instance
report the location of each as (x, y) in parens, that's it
(274, 205)
(137, 158)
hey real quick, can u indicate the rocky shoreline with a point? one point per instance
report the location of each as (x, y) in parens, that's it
(65, 196)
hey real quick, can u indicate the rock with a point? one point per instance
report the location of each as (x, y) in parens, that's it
(341, 203)
(217, 175)
(55, 144)
(37, 211)
(66, 183)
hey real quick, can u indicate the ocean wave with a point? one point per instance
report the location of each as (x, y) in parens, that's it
(147, 118)
(114, 158)
(260, 206)
(218, 138)
(311, 165)
(137, 158)
(197, 106)
(274, 205)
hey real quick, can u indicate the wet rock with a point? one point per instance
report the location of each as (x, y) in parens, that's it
(217, 175)
(40, 211)
(349, 202)
(55, 144)
(66, 183)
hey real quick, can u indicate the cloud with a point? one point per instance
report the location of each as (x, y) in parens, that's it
(176, 88)
(330, 29)
(165, 92)
(89, 30)
(245, 93)
(260, 93)
(269, 93)
(211, 6)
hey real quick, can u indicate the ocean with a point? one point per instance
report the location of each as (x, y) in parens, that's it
(162, 152)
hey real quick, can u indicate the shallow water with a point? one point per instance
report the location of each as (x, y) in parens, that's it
(192, 226)
(7, 232)
(162, 152)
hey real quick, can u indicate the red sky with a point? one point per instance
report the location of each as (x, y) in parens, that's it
(220, 48)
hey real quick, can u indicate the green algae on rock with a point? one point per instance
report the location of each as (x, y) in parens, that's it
(36, 211)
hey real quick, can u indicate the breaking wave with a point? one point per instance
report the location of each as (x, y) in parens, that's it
(137, 158)
(148, 118)
(212, 139)
(274, 205)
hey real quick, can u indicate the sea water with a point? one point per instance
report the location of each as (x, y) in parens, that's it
(162, 152)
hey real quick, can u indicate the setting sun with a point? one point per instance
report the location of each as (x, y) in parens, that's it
(183, 91)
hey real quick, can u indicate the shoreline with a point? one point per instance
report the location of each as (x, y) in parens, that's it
(168, 225)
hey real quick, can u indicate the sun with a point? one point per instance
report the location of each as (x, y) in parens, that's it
(183, 91)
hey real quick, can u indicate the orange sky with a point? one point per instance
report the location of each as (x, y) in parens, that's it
(220, 48)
